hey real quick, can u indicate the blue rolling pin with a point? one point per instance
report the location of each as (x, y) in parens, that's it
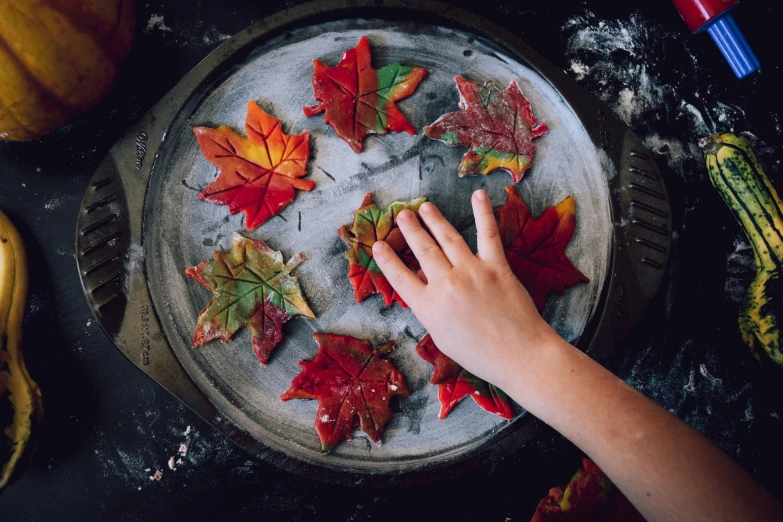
(715, 17)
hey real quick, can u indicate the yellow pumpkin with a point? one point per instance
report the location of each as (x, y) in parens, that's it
(58, 58)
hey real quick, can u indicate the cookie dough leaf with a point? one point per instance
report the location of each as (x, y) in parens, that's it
(455, 383)
(371, 224)
(535, 247)
(588, 496)
(353, 385)
(252, 287)
(498, 126)
(258, 173)
(358, 100)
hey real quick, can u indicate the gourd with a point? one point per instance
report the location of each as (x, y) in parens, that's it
(58, 58)
(745, 188)
(21, 410)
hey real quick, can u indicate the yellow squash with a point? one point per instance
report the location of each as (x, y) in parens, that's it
(20, 398)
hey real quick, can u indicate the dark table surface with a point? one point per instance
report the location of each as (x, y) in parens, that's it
(110, 427)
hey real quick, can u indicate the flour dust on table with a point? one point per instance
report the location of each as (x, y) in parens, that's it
(623, 62)
(183, 35)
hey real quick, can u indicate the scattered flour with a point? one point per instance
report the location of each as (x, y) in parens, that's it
(697, 122)
(674, 150)
(212, 36)
(691, 385)
(134, 264)
(581, 70)
(614, 59)
(607, 35)
(156, 23)
(134, 465)
(595, 49)
(626, 104)
(187, 36)
(56, 201)
(739, 269)
(724, 411)
(708, 375)
(53, 204)
(748, 415)
(35, 304)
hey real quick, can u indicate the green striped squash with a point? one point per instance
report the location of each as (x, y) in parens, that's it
(738, 177)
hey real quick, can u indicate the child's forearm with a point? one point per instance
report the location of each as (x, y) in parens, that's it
(664, 467)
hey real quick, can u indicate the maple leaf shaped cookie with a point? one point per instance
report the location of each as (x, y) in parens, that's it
(252, 287)
(371, 224)
(353, 385)
(455, 383)
(258, 173)
(358, 100)
(535, 247)
(498, 126)
(589, 495)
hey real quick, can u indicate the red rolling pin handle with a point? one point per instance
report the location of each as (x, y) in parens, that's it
(697, 13)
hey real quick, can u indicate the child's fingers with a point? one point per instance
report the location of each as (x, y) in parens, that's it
(426, 250)
(405, 282)
(445, 234)
(490, 248)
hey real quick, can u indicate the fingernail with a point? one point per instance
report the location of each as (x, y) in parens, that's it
(426, 207)
(405, 214)
(480, 195)
(377, 247)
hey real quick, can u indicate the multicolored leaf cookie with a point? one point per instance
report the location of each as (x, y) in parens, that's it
(353, 385)
(358, 100)
(252, 287)
(455, 383)
(371, 224)
(588, 496)
(258, 173)
(498, 126)
(535, 247)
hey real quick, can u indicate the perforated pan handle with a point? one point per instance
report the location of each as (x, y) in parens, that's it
(109, 250)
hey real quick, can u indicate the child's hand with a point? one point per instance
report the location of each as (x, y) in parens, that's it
(476, 310)
(479, 314)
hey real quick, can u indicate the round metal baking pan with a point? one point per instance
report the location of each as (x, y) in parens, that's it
(142, 224)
